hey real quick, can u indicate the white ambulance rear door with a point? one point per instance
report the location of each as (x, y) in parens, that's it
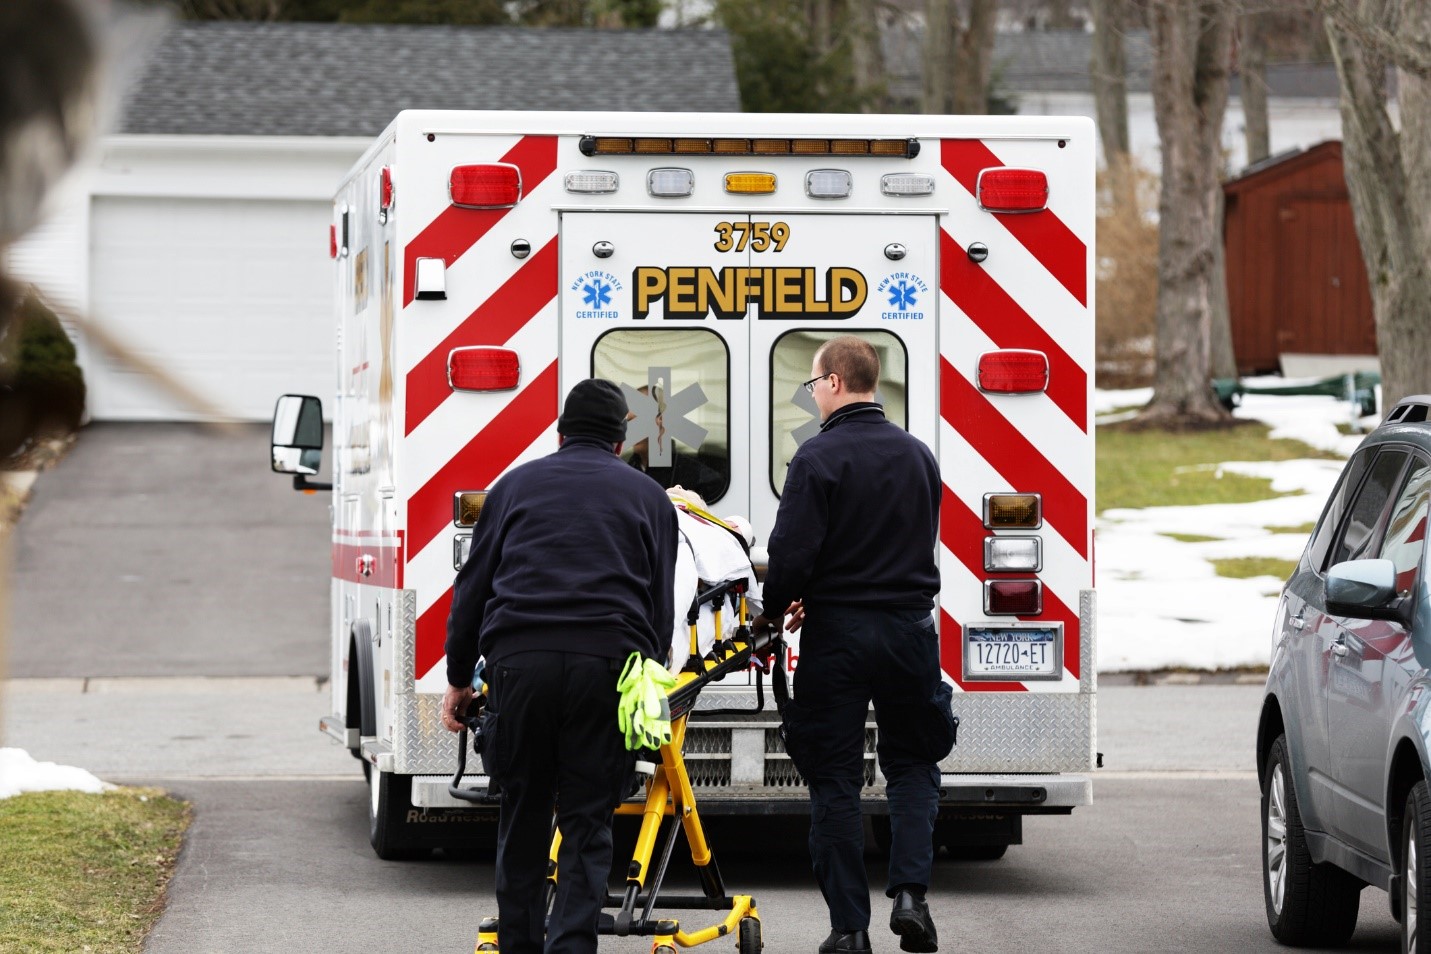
(874, 276)
(642, 303)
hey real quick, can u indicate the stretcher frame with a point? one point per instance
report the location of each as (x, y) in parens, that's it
(669, 794)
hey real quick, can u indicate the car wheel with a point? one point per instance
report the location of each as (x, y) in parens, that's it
(1308, 904)
(1416, 871)
(389, 797)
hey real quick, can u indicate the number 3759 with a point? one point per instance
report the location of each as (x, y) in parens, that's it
(759, 236)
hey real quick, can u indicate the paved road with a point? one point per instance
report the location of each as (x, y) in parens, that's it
(169, 548)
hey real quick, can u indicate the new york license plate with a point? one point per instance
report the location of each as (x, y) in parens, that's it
(1007, 652)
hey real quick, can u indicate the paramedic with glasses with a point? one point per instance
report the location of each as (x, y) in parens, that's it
(571, 571)
(852, 557)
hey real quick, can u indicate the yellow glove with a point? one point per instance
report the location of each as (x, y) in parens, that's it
(644, 715)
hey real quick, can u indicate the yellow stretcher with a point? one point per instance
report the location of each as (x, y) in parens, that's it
(669, 794)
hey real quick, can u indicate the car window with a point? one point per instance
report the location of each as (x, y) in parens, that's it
(1359, 531)
(1337, 506)
(1406, 530)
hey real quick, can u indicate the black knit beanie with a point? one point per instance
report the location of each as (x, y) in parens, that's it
(594, 408)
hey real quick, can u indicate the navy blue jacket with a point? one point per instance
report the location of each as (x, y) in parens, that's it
(575, 552)
(858, 518)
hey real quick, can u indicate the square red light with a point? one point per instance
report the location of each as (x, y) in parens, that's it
(1013, 597)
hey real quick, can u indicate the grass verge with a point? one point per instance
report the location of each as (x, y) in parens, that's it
(1243, 568)
(85, 873)
(1153, 468)
(1303, 528)
(1192, 537)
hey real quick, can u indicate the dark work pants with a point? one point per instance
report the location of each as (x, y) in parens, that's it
(850, 657)
(554, 742)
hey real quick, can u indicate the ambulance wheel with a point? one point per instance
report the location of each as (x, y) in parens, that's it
(749, 937)
(389, 799)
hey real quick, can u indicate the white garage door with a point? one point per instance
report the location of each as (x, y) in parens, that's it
(232, 297)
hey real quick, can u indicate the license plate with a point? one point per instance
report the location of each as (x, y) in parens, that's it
(997, 652)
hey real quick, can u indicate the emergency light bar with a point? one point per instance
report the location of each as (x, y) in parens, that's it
(1003, 189)
(662, 146)
(1013, 511)
(481, 368)
(494, 185)
(1013, 371)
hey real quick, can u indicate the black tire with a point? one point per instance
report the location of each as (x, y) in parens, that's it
(1308, 904)
(1414, 866)
(389, 798)
(749, 938)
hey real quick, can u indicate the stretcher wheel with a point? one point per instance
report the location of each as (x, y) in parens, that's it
(486, 947)
(749, 937)
(663, 949)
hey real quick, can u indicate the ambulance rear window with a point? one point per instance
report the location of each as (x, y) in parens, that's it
(677, 384)
(794, 418)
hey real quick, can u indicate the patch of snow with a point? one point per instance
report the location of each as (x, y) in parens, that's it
(20, 773)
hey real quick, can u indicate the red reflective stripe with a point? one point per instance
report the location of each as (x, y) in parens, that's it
(456, 230)
(495, 321)
(484, 458)
(1013, 456)
(1055, 609)
(1042, 233)
(951, 657)
(1006, 324)
(431, 643)
(387, 564)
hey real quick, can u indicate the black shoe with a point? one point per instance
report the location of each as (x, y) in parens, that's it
(911, 921)
(846, 942)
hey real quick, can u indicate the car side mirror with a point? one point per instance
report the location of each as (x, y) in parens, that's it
(1365, 589)
(297, 442)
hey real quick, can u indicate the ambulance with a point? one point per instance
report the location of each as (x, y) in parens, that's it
(485, 262)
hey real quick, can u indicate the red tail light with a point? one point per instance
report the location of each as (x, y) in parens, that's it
(1013, 597)
(332, 241)
(483, 369)
(385, 188)
(496, 185)
(1002, 189)
(1013, 371)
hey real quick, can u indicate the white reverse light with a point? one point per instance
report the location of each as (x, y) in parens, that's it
(461, 548)
(906, 183)
(670, 182)
(1013, 553)
(592, 182)
(828, 184)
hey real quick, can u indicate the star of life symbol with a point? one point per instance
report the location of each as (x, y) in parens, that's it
(805, 401)
(660, 418)
(902, 295)
(596, 294)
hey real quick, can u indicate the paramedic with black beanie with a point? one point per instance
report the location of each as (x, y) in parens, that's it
(852, 557)
(570, 572)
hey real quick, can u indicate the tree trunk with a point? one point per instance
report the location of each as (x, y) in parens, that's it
(939, 32)
(1253, 68)
(975, 63)
(1224, 359)
(1110, 94)
(866, 54)
(1192, 43)
(1389, 180)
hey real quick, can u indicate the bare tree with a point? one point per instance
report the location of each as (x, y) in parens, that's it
(958, 56)
(1388, 172)
(1252, 68)
(862, 18)
(1192, 44)
(1109, 71)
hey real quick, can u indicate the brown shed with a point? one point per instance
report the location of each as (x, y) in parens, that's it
(1295, 278)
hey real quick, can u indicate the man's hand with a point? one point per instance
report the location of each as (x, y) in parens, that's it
(796, 612)
(454, 704)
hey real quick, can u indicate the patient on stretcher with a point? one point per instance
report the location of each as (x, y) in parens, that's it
(710, 550)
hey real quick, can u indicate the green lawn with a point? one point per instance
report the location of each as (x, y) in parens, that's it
(1152, 468)
(85, 873)
(1243, 568)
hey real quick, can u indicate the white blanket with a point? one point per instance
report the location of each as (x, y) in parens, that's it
(707, 554)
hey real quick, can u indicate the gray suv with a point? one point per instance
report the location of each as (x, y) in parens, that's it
(1342, 750)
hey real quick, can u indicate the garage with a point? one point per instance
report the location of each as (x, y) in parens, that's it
(231, 296)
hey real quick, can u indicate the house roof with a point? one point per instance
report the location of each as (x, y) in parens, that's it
(326, 79)
(1283, 164)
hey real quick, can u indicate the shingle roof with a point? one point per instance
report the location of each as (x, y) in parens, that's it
(322, 79)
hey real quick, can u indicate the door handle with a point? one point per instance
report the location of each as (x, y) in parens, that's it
(1298, 622)
(1339, 648)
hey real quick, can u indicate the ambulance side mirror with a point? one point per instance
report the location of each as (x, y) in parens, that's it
(298, 439)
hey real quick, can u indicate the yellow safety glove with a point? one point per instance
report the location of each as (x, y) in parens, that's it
(644, 715)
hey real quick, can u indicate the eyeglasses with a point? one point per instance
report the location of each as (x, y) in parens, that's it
(809, 385)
